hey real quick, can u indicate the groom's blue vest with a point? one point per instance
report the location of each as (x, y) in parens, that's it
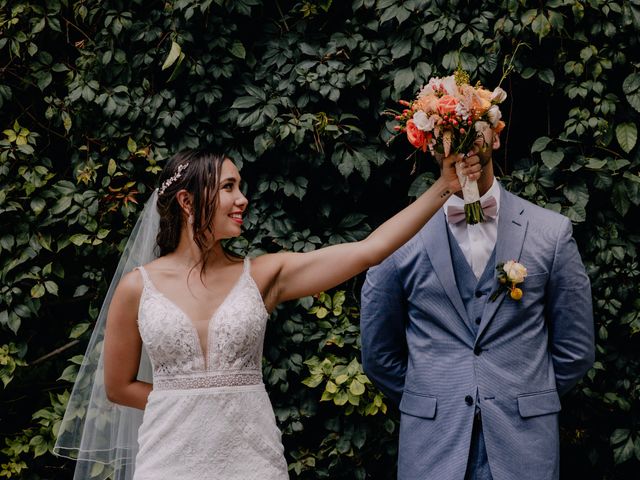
(468, 284)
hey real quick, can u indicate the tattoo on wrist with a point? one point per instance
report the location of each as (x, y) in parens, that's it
(446, 193)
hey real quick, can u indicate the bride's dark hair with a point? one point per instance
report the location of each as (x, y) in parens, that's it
(197, 172)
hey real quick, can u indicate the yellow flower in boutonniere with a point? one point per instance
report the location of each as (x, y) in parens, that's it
(510, 274)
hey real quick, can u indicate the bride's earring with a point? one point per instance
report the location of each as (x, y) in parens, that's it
(190, 219)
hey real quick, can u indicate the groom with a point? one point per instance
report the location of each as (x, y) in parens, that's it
(478, 381)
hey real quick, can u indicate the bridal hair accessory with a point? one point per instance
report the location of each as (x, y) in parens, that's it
(167, 183)
(446, 118)
(510, 274)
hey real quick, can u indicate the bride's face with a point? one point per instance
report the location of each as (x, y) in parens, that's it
(227, 220)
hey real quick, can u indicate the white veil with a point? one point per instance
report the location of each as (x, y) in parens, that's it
(100, 435)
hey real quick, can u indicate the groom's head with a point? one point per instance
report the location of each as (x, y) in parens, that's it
(488, 140)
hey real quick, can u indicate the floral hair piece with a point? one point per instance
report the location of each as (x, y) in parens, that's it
(167, 183)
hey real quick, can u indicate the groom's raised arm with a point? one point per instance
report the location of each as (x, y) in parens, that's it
(569, 313)
(382, 324)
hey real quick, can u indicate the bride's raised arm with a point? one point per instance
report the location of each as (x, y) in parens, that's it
(302, 274)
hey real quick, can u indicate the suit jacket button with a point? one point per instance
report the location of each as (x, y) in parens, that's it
(477, 350)
(478, 293)
(468, 400)
(478, 320)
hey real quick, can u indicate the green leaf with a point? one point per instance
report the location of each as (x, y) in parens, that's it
(174, 53)
(238, 50)
(246, 102)
(631, 88)
(331, 387)
(627, 136)
(69, 373)
(79, 329)
(80, 290)
(623, 452)
(547, 76)
(551, 159)
(52, 287)
(528, 16)
(403, 78)
(61, 205)
(79, 239)
(356, 388)
(37, 205)
(541, 26)
(37, 290)
(341, 397)
(540, 144)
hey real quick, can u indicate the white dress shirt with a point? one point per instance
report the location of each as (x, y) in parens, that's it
(476, 241)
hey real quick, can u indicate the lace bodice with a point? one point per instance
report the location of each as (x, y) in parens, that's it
(234, 338)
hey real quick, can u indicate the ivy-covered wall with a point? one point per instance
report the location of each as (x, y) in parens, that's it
(94, 97)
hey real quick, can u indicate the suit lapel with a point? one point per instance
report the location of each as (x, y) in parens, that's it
(512, 227)
(434, 238)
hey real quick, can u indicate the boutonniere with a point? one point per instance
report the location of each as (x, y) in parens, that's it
(510, 274)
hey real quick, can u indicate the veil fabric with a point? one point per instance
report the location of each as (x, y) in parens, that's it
(99, 434)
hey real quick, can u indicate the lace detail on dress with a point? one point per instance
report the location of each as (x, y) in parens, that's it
(234, 339)
(207, 420)
(168, 339)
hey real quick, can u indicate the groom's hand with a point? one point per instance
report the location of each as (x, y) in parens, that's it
(470, 167)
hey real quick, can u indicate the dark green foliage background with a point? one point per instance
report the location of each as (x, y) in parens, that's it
(294, 91)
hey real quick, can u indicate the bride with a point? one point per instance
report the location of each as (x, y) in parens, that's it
(171, 387)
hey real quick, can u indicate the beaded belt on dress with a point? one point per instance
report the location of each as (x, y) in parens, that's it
(209, 379)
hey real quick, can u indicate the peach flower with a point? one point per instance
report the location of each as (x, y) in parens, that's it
(480, 103)
(447, 104)
(416, 136)
(426, 103)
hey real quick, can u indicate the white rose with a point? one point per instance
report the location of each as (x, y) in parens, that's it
(484, 129)
(494, 115)
(515, 271)
(423, 122)
(426, 90)
(498, 95)
(461, 111)
(450, 86)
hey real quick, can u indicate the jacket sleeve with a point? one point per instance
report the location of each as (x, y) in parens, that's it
(569, 313)
(382, 323)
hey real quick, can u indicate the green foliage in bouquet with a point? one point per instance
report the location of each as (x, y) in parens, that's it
(94, 97)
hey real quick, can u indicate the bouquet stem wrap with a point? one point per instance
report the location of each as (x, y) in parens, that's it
(471, 195)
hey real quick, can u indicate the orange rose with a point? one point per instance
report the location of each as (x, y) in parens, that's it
(499, 127)
(416, 136)
(447, 104)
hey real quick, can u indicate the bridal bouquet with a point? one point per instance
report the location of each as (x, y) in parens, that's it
(446, 118)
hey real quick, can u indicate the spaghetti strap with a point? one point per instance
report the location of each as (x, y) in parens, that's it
(145, 275)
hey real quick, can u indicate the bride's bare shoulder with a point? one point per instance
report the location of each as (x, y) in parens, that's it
(130, 286)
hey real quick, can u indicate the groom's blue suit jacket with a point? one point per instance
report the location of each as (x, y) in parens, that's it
(419, 350)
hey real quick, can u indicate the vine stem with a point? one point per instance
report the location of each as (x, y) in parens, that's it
(55, 352)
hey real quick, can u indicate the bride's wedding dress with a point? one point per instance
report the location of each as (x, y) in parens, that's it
(208, 416)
